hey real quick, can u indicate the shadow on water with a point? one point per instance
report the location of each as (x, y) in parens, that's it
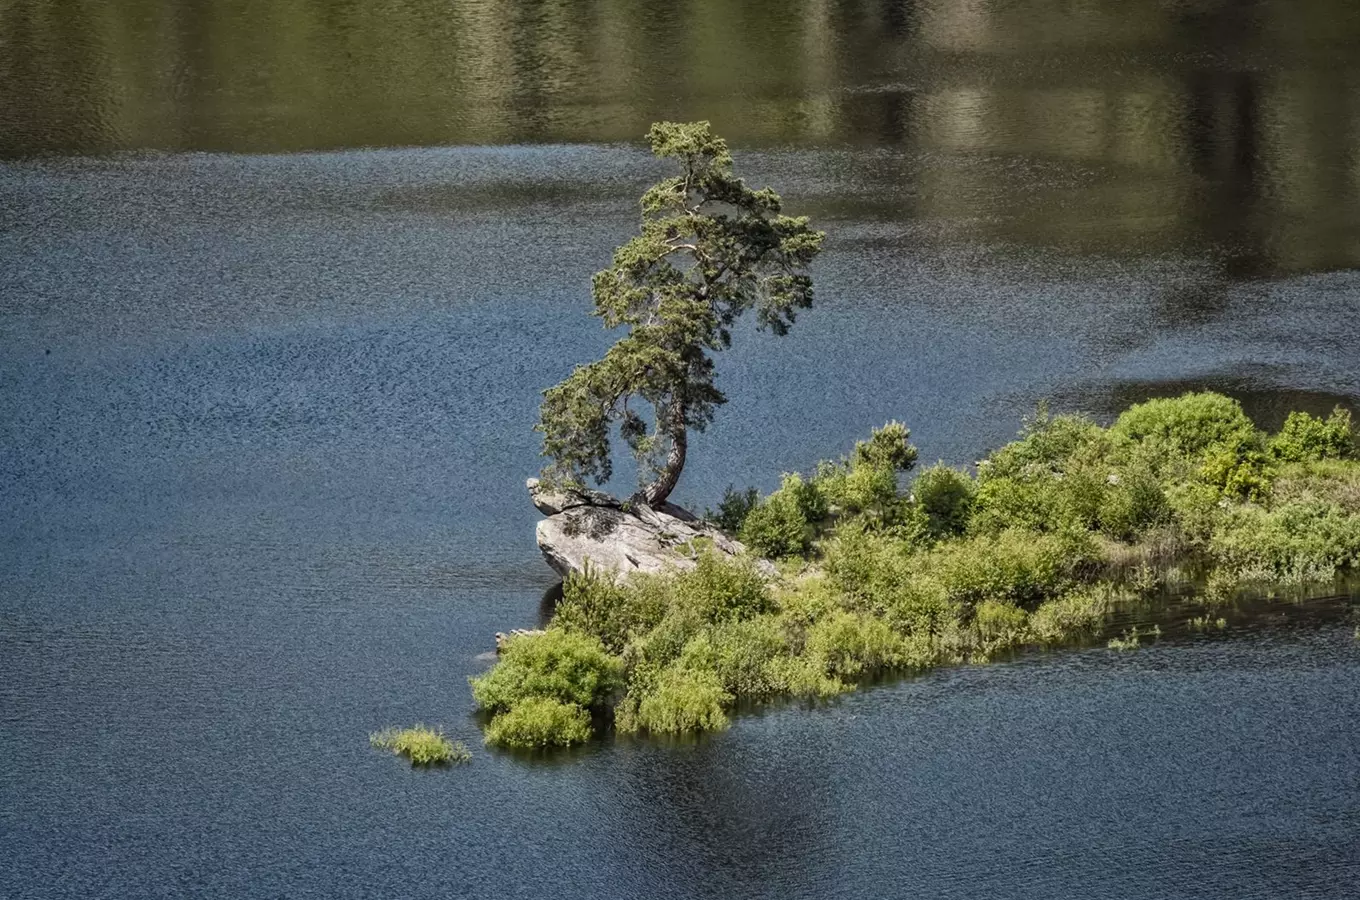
(1265, 405)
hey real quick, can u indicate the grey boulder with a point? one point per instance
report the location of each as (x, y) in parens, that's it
(624, 537)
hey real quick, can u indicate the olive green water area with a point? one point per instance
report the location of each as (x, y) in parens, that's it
(280, 283)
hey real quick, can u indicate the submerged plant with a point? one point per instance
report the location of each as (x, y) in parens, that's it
(1129, 640)
(1204, 623)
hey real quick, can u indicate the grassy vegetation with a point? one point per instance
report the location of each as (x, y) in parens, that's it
(541, 691)
(422, 745)
(1052, 536)
(1205, 623)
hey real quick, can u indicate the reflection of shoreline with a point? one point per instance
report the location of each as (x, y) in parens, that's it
(1225, 133)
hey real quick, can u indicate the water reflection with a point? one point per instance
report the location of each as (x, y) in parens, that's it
(1097, 125)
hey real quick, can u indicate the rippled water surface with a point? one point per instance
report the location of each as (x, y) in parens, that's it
(280, 283)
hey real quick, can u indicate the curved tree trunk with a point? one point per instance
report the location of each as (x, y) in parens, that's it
(656, 493)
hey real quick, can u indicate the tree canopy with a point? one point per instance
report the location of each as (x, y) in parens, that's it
(709, 248)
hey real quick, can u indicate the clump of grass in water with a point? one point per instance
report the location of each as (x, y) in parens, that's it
(1131, 639)
(422, 745)
(1204, 623)
(1128, 641)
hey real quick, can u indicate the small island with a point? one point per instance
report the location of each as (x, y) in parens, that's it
(864, 566)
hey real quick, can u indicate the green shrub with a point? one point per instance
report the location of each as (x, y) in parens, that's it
(1006, 502)
(1196, 509)
(720, 589)
(866, 564)
(865, 482)
(561, 665)
(888, 448)
(1000, 624)
(733, 509)
(681, 700)
(852, 645)
(1305, 438)
(1293, 544)
(740, 654)
(1017, 565)
(1073, 615)
(805, 677)
(1047, 445)
(783, 523)
(946, 497)
(1239, 471)
(1326, 481)
(919, 606)
(858, 489)
(422, 745)
(1186, 426)
(596, 604)
(539, 722)
(1135, 503)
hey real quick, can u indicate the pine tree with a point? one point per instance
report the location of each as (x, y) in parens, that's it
(709, 248)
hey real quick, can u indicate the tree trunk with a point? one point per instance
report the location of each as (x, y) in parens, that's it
(656, 493)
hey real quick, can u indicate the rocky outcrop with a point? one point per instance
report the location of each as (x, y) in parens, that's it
(625, 537)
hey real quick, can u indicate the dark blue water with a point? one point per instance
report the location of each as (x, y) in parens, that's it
(265, 420)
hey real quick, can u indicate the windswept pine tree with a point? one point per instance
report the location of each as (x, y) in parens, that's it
(709, 249)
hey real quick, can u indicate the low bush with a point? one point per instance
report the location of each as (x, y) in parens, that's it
(864, 484)
(1047, 445)
(1186, 426)
(783, 524)
(1006, 502)
(1134, 503)
(680, 700)
(719, 589)
(1306, 438)
(560, 665)
(870, 567)
(1000, 625)
(1240, 470)
(740, 653)
(1293, 544)
(733, 509)
(594, 603)
(945, 495)
(539, 722)
(1326, 481)
(422, 745)
(1080, 613)
(851, 646)
(1018, 566)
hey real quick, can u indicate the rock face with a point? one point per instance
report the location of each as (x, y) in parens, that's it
(623, 537)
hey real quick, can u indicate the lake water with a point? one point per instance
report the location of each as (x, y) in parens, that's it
(279, 286)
